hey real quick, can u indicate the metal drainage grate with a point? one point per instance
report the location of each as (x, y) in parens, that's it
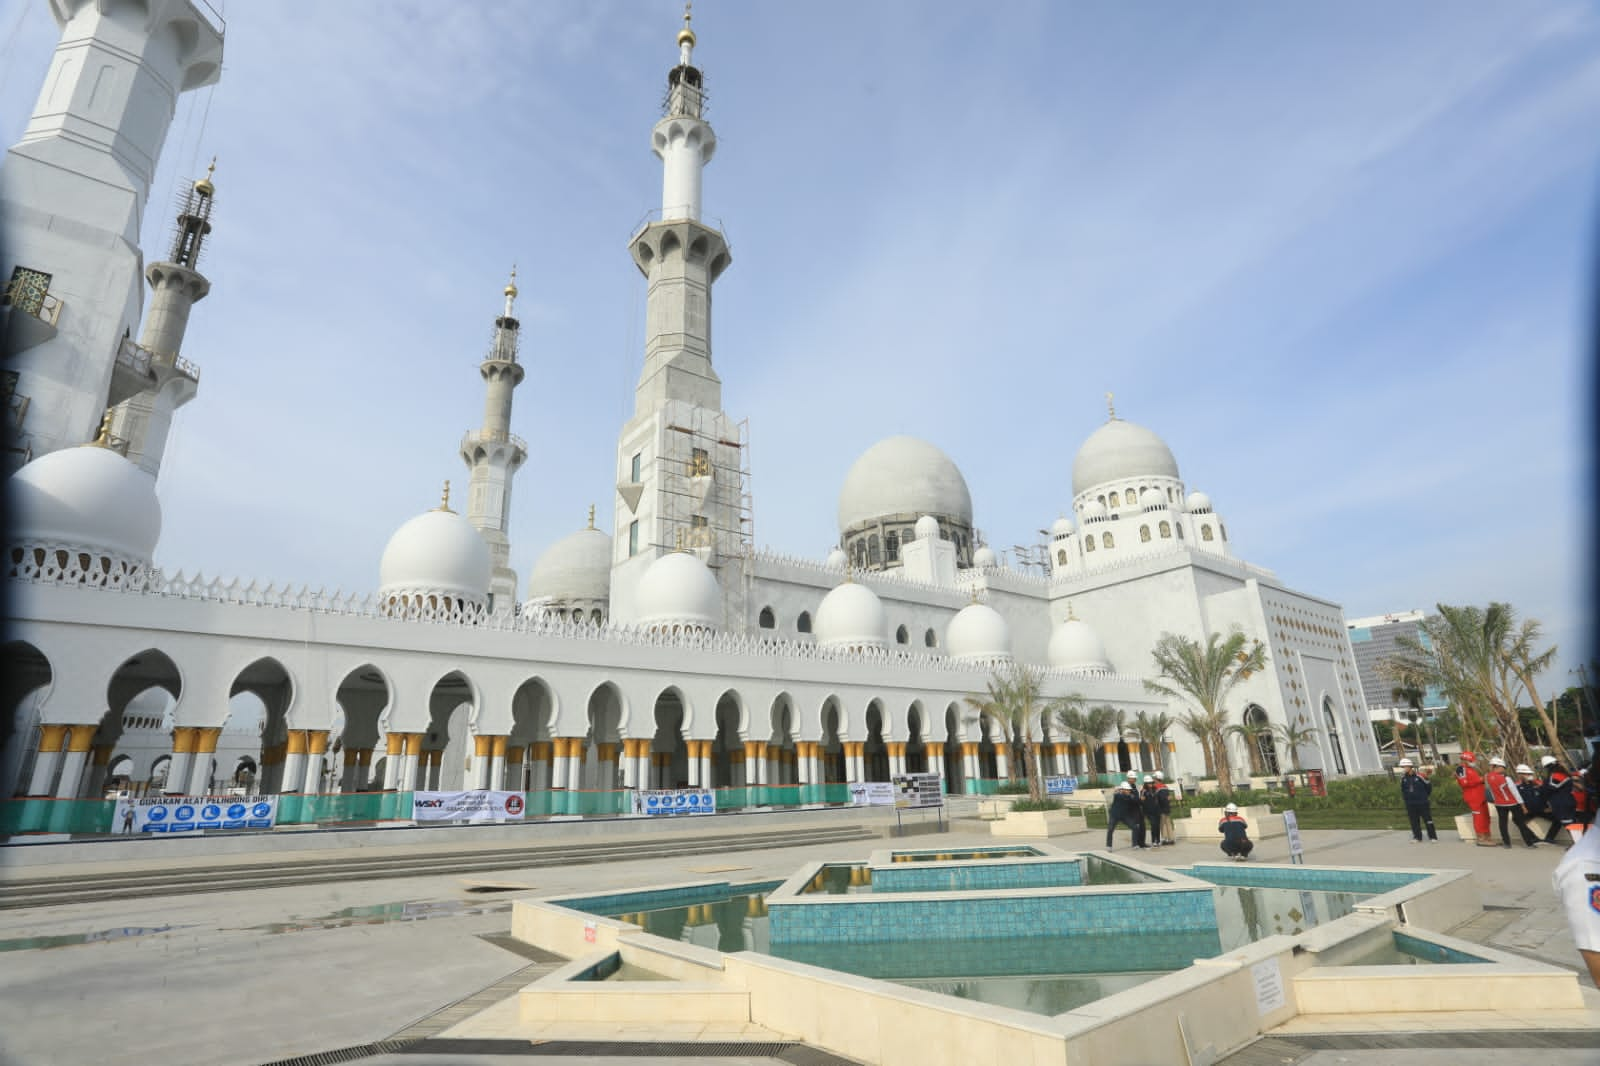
(344, 1054)
(795, 1054)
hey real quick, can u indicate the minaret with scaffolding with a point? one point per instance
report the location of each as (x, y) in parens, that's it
(683, 471)
(73, 191)
(494, 454)
(140, 423)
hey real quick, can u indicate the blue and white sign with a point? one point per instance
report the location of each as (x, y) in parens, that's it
(675, 801)
(1063, 785)
(189, 814)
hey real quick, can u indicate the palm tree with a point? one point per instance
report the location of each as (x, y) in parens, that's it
(1412, 697)
(1466, 652)
(1014, 699)
(1151, 729)
(1526, 664)
(1292, 737)
(1087, 727)
(1251, 732)
(1203, 676)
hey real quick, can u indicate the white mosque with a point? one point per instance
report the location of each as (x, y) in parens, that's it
(667, 654)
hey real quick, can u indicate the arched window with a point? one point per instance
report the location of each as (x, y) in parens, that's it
(891, 547)
(1144, 534)
(1205, 533)
(1131, 496)
(1333, 735)
(1106, 541)
(1255, 718)
(1166, 530)
(1061, 557)
(1170, 496)
(595, 617)
(930, 639)
(1088, 543)
(767, 620)
(861, 553)
(872, 550)
(1102, 498)
(901, 636)
(577, 614)
(1180, 531)
(1115, 500)
(803, 623)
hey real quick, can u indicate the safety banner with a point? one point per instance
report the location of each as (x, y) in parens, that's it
(675, 801)
(480, 806)
(872, 793)
(190, 814)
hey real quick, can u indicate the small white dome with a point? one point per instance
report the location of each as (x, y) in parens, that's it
(1198, 503)
(437, 553)
(978, 632)
(679, 589)
(837, 559)
(1062, 527)
(1118, 451)
(87, 497)
(851, 615)
(985, 557)
(1095, 511)
(927, 528)
(577, 567)
(1074, 645)
(903, 476)
(1153, 500)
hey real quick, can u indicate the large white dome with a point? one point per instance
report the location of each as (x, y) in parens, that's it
(87, 497)
(978, 633)
(851, 615)
(679, 589)
(438, 553)
(577, 567)
(1074, 645)
(1118, 451)
(903, 476)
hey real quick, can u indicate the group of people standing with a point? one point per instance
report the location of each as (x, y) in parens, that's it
(1557, 794)
(1134, 806)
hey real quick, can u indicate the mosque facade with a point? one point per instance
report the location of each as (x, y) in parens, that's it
(669, 653)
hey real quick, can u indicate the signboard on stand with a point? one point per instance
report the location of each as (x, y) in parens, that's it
(667, 802)
(913, 791)
(1291, 827)
(1061, 785)
(192, 814)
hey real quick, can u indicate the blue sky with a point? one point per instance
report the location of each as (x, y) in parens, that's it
(1336, 255)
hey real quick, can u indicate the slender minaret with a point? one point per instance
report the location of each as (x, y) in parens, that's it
(493, 454)
(73, 192)
(144, 419)
(680, 459)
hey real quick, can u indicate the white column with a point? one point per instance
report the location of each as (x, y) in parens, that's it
(630, 764)
(178, 773)
(643, 773)
(313, 779)
(44, 770)
(1002, 762)
(857, 770)
(391, 770)
(753, 769)
(559, 764)
(294, 771)
(897, 762)
(199, 774)
(71, 774)
(497, 772)
(970, 761)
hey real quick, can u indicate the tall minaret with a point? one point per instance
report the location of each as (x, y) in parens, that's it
(493, 454)
(680, 476)
(144, 419)
(73, 191)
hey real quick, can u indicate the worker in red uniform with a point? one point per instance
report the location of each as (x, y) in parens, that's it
(1508, 804)
(1472, 791)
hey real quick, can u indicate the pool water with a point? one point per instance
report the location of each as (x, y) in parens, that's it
(1046, 975)
(850, 879)
(1021, 851)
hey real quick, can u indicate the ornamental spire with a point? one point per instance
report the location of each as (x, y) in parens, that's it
(686, 36)
(511, 291)
(1111, 407)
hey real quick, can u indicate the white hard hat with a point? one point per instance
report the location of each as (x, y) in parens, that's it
(1524, 768)
(1497, 761)
(1232, 808)
(1548, 760)
(1160, 776)
(1133, 773)
(1147, 777)
(1124, 785)
(1405, 763)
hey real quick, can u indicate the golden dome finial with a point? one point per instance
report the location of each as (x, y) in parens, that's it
(102, 438)
(511, 286)
(204, 186)
(1111, 407)
(591, 516)
(444, 499)
(686, 35)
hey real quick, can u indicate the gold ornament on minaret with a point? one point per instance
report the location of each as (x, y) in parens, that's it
(511, 286)
(444, 500)
(204, 186)
(686, 35)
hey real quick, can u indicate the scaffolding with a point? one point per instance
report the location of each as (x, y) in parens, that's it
(704, 502)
